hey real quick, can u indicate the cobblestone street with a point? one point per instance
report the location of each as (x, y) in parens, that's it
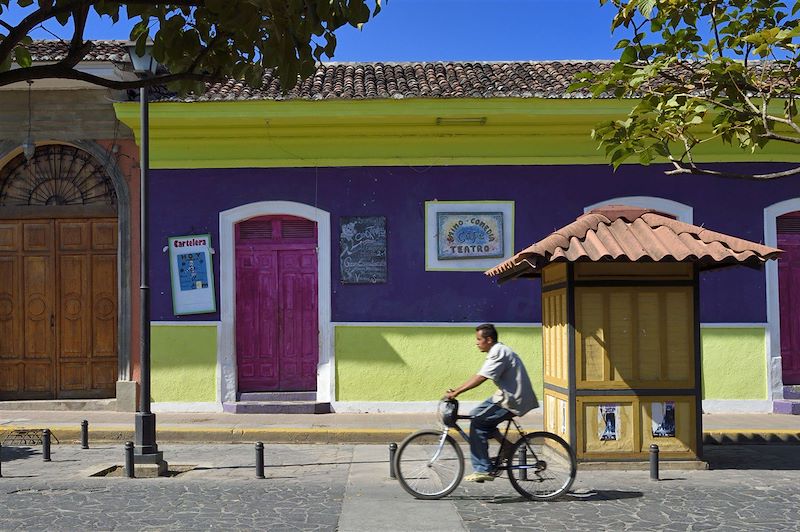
(346, 487)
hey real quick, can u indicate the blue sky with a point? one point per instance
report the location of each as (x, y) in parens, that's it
(442, 30)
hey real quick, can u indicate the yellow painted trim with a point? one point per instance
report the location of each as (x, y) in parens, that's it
(297, 133)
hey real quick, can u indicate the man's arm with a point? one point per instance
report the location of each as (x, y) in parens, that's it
(472, 382)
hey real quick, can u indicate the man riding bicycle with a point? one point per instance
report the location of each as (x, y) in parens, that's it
(514, 397)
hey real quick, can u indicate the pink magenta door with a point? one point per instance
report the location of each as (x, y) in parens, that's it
(277, 333)
(789, 295)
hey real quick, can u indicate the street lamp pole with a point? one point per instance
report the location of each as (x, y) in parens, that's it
(146, 453)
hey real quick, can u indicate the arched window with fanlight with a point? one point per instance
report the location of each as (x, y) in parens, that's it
(56, 175)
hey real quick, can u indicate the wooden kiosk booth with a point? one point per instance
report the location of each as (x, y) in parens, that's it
(621, 329)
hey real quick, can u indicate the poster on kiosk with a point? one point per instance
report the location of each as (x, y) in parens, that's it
(192, 275)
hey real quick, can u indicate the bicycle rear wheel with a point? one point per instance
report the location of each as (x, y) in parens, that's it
(429, 464)
(542, 466)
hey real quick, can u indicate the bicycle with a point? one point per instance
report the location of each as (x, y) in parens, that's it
(429, 464)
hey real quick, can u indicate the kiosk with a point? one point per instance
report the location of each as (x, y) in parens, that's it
(621, 329)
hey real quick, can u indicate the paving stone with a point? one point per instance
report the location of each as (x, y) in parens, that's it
(753, 488)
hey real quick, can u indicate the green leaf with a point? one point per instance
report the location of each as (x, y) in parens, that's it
(629, 55)
(22, 57)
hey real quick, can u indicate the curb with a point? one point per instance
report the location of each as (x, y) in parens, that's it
(300, 435)
(221, 435)
(750, 437)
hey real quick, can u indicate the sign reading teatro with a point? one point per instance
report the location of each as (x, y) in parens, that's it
(469, 235)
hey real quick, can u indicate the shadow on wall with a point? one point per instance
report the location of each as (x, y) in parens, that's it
(418, 363)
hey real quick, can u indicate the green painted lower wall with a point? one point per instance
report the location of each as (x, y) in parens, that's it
(376, 363)
(184, 362)
(419, 363)
(734, 363)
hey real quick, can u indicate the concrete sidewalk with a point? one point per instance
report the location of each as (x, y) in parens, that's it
(107, 426)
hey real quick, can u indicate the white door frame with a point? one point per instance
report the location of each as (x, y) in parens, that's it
(227, 380)
(684, 213)
(774, 369)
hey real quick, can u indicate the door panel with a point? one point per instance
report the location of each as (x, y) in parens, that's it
(39, 316)
(789, 297)
(277, 334)
(300, 339)
(11, 341)
(73, 308)
(256, 338)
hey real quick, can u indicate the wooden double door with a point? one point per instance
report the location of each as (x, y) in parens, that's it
(789, 295)
(277, 331)
(58, 308)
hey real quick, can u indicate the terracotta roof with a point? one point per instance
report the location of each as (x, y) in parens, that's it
(620, 233)
(364, 81)
(57, 50)
(361, 81)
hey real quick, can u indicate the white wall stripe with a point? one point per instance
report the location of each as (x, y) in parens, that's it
(736, 406)
(186, 407)
(185, 323)
(424, 324)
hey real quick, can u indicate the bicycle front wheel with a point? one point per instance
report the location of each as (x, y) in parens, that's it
(429, 464)
(542, 466)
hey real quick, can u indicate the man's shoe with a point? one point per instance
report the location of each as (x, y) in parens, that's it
(479, 477)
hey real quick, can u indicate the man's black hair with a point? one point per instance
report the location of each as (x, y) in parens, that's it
(487, 330)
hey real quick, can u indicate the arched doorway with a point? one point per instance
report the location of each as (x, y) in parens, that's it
(788, 236)
(59, 288)
(229, 225)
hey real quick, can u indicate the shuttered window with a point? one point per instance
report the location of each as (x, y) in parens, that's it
(277, 229)
(789, 225)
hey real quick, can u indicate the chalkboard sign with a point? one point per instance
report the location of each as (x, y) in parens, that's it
(362, 249)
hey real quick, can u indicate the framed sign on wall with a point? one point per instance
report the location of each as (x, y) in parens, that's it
(362, 249)
(192, 275)
(468, 235)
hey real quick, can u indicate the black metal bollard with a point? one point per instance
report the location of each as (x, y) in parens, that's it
(1, 460)
(46, 445)
(129, 470)
(523, 462)
(259, 460)
(653, 461)
(84, 434)
(392, 452)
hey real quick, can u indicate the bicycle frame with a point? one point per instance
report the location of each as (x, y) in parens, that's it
(498, 460)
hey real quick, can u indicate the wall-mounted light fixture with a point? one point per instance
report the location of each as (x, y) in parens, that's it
(28, 146)
(460, 120)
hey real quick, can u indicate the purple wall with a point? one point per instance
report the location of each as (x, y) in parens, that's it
(547, 197)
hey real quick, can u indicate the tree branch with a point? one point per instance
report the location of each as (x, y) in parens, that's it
(61, 71)
(22, 29)
(681, 168)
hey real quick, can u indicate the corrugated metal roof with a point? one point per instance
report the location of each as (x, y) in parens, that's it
(620, 233)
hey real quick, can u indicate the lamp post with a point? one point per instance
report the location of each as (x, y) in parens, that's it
(146, 453)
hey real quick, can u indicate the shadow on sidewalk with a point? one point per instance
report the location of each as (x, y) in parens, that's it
(592, 495)
(7, 454)
(778, 456)
(277, 466)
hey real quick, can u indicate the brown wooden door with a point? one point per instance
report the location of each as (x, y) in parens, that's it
(58, 308)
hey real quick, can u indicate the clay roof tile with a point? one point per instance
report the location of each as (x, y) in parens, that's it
(631, 234)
